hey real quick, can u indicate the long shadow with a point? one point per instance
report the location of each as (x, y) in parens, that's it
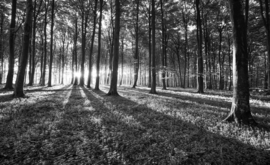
(169, 134)
(208, 103)
(202, 101)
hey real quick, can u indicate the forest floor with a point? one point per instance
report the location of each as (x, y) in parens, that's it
(76, 125)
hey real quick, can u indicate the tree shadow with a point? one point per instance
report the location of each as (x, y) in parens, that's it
(178, 136)
(204, 101)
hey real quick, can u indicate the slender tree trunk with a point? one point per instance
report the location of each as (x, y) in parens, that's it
(18, 91)
(75, 51)
(91, 47)
(1, 47)
(200, 58)
(221, 76)
(153, 55)
(240, 110)
(32, 57)
(185, 53)
(45, 46)
(99, 46)
(122, 62)
(84, 27)
(149, 44)
(113, 85)
(136, 56)
(42, 57)
(9, 82)
(163, 48)
(266, 20)
(51, 47)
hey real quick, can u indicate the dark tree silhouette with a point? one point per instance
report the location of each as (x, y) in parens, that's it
(240, 110)
(200, 58)
(99, 45)
(153, 55)
(113, 85)
(51, 47)
(18, 91)
(9, 82)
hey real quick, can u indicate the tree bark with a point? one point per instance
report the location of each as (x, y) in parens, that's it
(240, 110)
(1, 47)
(91, 47)
(153, 55)
(18, 91)
(9, 81)
(75, 51)
(200, 58)
(45, 46)
(136, 56)
(99, 45)
(149, 49)
(51, 47)
(113, 85)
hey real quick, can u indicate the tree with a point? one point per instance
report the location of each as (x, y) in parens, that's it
(1, 46)
(35, 15)
(136, 56)
(240, 110)
(199, 42)
(51, 47)
(18, 91)
(266, 20)
(92, 45)
(9, 81)
(75, 38)
(113, 85)
(153, 55)
(99, 45)
(43, 76)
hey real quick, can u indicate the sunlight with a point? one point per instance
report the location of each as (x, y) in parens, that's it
(78, 74)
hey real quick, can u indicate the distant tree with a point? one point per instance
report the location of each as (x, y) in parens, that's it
(113, 85)
(18, 91)
(36, 12)
(99, 45)
(240, 110)
(9, 81)
(51, 46)
(43, 75)
(136, 56)
(75, 39)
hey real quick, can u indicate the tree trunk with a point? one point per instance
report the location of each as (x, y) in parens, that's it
(163, 48)
(266, 20)
(122, 62)
(91, 47)
(75, 51)
(149, 44)
(221, 76)
(1, 47)
(18, 91)
(113, 85)
(51, 47)
(136, 56)
(200, 58)
(99, 45)
(9, 81)
(240, 110)
(45, 46)
(84, 27)
(153, 55)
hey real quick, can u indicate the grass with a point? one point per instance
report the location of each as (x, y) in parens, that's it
(76, 125)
